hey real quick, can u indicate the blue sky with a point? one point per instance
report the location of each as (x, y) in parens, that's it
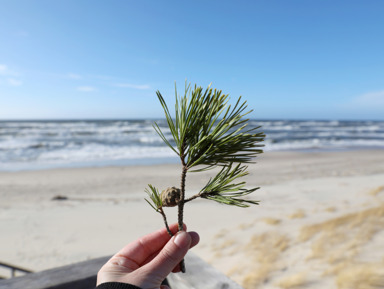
(290, 59)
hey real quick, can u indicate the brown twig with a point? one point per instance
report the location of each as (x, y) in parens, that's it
(182, 197)
(161, 211)
(192, 198)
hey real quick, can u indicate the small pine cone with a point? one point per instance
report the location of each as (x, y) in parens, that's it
(170, 197)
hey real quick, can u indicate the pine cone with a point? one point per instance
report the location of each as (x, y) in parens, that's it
(170, 197)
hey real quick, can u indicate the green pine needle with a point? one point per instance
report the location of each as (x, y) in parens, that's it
(208, 132)
(222, 189)
(154, 196)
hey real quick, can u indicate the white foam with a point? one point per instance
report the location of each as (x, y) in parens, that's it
(70, 142)
(93, 152)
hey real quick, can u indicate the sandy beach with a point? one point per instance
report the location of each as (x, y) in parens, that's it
(319, 224)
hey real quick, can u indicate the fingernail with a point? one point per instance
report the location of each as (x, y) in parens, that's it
(182, 239)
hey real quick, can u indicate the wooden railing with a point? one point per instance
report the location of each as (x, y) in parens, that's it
(14, 269)
(200, 275)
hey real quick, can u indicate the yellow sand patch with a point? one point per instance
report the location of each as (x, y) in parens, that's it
(359, 220)
(244, 226)
(225, 248)
(257, 277)
(331, 209)
(299, 214)
(338, 242)
(294, 281)
(264, 251)
(360, 276)
(225, 244)
(376, 191)
(272, 221)
(221, 234)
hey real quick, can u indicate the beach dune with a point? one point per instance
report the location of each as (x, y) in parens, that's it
(319, 223)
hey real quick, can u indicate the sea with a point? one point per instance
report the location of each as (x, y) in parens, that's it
(30, 145)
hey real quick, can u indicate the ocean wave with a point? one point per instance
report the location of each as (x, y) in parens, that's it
(92, 152)
(66, 142)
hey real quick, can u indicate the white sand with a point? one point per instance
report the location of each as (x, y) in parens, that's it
(260, 247)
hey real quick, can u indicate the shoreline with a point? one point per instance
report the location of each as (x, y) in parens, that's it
(159, 160)
(298, 190)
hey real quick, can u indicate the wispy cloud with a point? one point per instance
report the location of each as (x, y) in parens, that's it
(3, 69)
(86, 88)
(14, 82)
(134, 86)
(5, 72)
(74, 76)
(371, 99)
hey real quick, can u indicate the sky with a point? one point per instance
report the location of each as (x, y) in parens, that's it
(94, 59)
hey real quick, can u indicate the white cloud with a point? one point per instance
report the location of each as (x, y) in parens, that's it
(14, 82)
(86, 88)
(371, 99)
(74, 76)
(134, 86)
(3, 68)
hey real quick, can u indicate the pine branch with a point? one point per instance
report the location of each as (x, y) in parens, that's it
(157, 204)
(208, 133)
(222, 188)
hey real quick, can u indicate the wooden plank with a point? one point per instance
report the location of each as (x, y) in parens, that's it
(200, 275)
(76, 276)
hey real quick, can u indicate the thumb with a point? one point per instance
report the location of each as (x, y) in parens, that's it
(171, 255)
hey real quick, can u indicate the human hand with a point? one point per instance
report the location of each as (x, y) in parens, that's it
(148, 261)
